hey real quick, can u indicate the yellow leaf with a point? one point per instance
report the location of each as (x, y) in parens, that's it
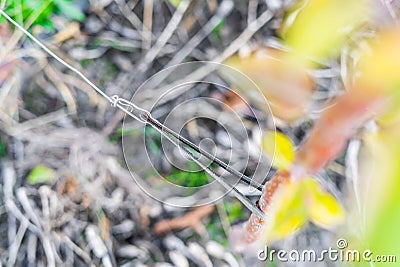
(319, 27)
(297, 202)
(279, 147)
(288, 213)
(324, 210)
(380, 63)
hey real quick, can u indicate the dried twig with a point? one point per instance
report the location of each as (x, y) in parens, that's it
(146, 62)
(15, 246)
(75, 248)
(37, 122)
(190, 219)
(147, 24)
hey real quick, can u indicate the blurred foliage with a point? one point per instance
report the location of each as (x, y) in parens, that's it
(286, 86)
(152, 139)
(128, 131)
(216, 231)
(317, 29)
(109, 71)
(24, 9)
(175, 3)
(322, 207)
(381, 196)
(68, 9)
(2, 148)
(193, 178)
(216, 32)
(186, 178)
(299, 200)
(383, 229)
(375, 91)
(234, 209)
(380, 63)
(278, 147)
(314, 30)
(288, 213)
(296, 203)
(379, 77)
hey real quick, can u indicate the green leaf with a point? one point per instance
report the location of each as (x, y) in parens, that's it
(2, 148)
(128, 131)
(41, 174)
(383, 199)
(175, 3)
(216, 32)
(70, 10)
(188, 179)
(48, 25)
(40, 11)
(234, 210)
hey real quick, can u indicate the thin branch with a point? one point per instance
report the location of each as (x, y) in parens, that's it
(145, 63)
(13, 250)
(147, 24)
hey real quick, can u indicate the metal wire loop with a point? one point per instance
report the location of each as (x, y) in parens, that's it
(130, 108)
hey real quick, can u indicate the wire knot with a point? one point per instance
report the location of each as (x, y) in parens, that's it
(130, 108)
(115, 100)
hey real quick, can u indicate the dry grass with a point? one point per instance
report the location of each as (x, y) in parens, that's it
(92, 213)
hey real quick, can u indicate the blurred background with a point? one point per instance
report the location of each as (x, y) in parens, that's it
(69, 160)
